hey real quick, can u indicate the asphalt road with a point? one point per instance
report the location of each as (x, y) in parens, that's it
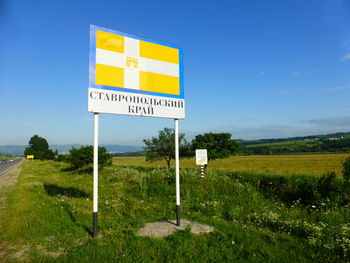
(5, 167)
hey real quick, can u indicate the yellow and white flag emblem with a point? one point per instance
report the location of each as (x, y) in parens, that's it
(130, 63)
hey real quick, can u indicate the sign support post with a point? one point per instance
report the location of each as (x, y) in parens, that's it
(177, 172)
(95, 187)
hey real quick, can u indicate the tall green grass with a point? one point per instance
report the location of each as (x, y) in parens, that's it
(257, 217)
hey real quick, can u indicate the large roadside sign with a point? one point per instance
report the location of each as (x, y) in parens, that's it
(130, 75)
(134, 76)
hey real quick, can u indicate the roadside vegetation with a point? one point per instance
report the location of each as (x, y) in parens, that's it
(258, 217)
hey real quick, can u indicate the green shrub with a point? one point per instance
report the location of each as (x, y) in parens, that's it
(346, 169)
(328, 186)
(62, 158)
(49, 155)
(83, 157)
(303, 189)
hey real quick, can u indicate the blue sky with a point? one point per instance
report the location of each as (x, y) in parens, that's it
(256, 69)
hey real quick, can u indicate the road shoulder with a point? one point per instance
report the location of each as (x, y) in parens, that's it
(9, 179)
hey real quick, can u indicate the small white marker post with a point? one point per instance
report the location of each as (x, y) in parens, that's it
(177, 172)
(95, 190)
(202, 159)
(202, 171)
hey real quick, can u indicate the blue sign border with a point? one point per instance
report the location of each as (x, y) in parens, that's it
(92, 65)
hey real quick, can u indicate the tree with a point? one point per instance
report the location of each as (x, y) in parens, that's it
(39, 147)
(218, 145)
(83, 157)
(163, 146)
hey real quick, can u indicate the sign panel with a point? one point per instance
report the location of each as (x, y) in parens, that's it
(201, 157)
(30, 157)
(134, 76)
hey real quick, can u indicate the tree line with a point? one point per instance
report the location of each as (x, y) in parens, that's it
(77, 158)
(218, 145)
(162, 147)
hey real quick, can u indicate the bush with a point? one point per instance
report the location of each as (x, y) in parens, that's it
(346, 169)
(303, 189)
(62, 158)
(83, 157)
(49, 155)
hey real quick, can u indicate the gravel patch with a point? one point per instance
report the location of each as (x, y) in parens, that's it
(163, 229)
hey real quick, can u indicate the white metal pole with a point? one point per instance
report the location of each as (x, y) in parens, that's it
(95, 190)
(177, 172)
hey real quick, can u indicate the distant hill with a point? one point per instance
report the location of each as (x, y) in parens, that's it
(130, 154)
(63, 149)
(290, 139)
(334, 142)
(115, 148)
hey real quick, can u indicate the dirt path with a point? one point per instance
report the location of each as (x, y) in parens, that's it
(8, 179)
(19, 251)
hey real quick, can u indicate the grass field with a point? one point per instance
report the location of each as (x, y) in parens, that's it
(315, 164)
(257, 218)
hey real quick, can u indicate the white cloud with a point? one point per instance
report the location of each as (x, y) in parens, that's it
(283, 91)
(23, 124)
(343, 121)
(338, 88)
(295, 74)
(346, 57)
(262, 73)
(272, 131)
(90, 119)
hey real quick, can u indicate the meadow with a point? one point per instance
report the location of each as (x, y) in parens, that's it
(258, 217)
(313, 164)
